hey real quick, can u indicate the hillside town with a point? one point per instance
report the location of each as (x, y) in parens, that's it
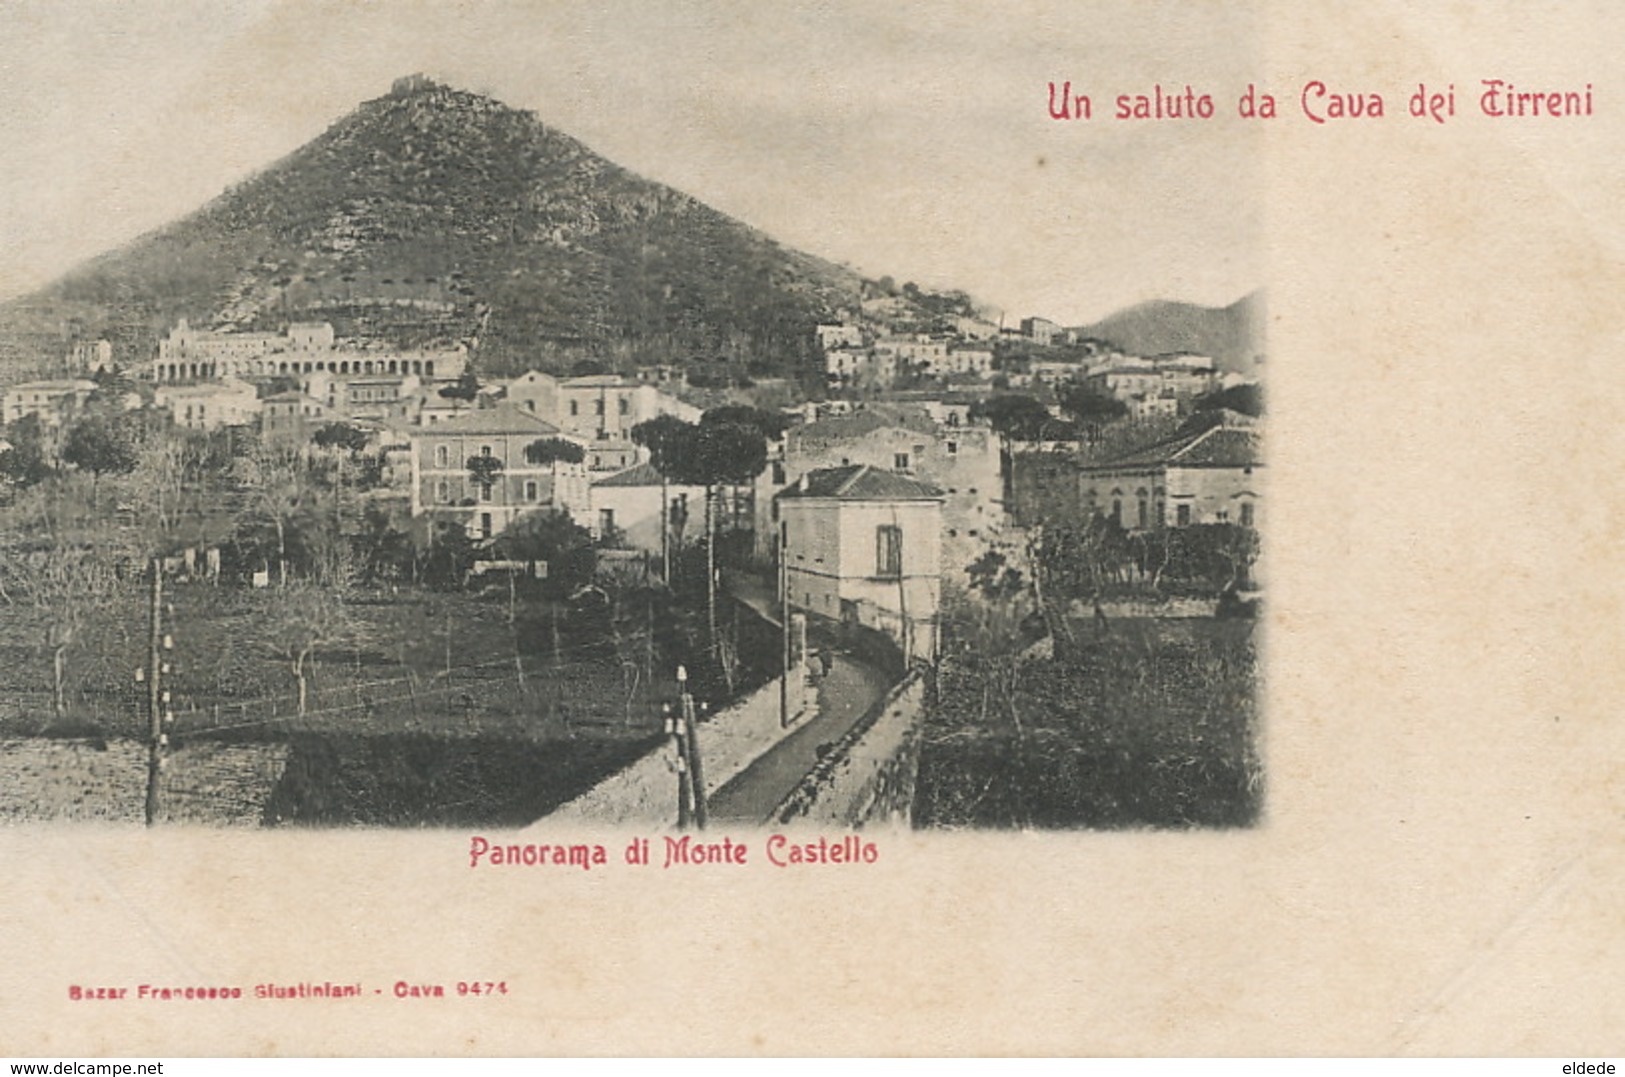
(931, 472)
(928, 416)
(337, 517)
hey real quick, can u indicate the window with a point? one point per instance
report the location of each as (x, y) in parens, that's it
(598, 408)
(1246, 514)
(485, 450)
(442, 456)
(1182, 515)
(953, 448)
(778, 473)
(1117, 511)
(485, 525)
(575, 407)
(606, 521)
(626, 405)
(485, 492)
(900, 461)
(888, 550)
(442, 492)
(1144, 515)
(530, 490)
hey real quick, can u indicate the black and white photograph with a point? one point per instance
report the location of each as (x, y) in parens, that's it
(442, 470)
(671, 528)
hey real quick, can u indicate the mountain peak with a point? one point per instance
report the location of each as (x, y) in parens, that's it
(416, 83)
(433, 214)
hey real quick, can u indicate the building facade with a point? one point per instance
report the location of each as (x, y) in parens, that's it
(963, 462)
(55, 402)
(599, 409)
(447, 483)
(210, 405)
(863, 546)
(1210, 476)
(188, 354)
(627, 505)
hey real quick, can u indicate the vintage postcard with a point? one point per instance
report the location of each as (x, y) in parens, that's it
(711, 528)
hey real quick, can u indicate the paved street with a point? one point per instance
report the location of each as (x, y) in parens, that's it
(844, 697)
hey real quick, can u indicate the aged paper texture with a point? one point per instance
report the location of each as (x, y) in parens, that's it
(1439, 862)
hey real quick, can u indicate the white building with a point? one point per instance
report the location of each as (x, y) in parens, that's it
(1040, 330)
(839, 335)
(863, 546)
(627, 504)
(210, 405)
(1209, 476)
(961, 462)
(55, 402)
(445, 485)
(968, 360)
(600, 409)
(188, 354)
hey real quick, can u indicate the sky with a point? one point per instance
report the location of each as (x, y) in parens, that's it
(904, 139)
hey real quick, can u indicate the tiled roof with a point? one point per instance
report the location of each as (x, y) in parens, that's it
(643, 474)
(1223, 447)
(862, 423)
(601, 381)
(1217, 446)
(860, 482)
(502, 419)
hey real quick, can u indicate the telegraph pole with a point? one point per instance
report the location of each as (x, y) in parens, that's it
(784, 620)
(690, 775)
(154, 670)
(674, 726)
(695, 771)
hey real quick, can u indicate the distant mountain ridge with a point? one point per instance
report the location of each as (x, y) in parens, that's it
(431, 215)
(1234, 335)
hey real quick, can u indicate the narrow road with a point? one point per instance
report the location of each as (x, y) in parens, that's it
(850, 691)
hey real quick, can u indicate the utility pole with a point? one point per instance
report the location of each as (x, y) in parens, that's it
(674, 726)
(696, 772)
(157, 698)
(690, 775)
(784, 620)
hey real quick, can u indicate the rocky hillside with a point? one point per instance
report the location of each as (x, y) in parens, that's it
(432, 214)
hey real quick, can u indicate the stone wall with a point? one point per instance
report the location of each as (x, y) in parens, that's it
(869, 775)
(105, 781)
(1163, 606)
(645, 793)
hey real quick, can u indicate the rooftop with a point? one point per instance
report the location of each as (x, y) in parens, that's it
(1221, 445)
(643, 474)
(503, 419)
(68, 386)
(860, 482)
(861, 423)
